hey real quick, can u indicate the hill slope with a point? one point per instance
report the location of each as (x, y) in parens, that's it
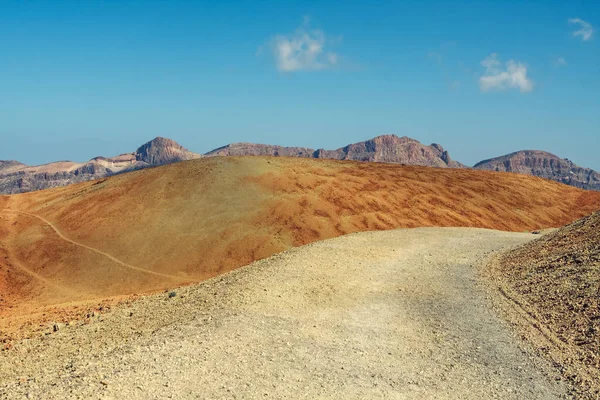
(544, 165)
(557, 279)
(161, 227)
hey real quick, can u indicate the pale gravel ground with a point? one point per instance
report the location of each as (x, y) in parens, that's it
(395, 314)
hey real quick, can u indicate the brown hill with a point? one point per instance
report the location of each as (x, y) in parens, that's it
(385, 148)
(545, 165)
(19, 178)
(162, 227)
(557, 280)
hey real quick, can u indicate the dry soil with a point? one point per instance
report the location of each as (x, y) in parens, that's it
(154, 229)
(397, 314)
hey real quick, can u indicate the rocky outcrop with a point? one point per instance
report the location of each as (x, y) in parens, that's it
(393, 149)
(545, 165)
(19, 178)
(386, 148)
(251, 149)
(161, 151)
(10, 165)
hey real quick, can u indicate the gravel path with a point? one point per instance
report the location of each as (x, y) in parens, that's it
(394, 314)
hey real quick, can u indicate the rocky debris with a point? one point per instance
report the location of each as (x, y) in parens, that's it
(545, 165)
(557, 279)
(161, 151)
(385, 148)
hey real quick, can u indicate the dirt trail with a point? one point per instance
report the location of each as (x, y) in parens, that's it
(395, 314)
(14, 262)
(66, 239)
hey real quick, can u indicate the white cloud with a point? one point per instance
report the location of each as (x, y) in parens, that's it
(586, 31)
(560, 61)
(304, 50)
(513, 75)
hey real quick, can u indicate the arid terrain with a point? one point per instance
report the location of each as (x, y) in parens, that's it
(16, 177)
(401, 313)
(396, 314)
(556, 281)
(182, 223)
(299, 200)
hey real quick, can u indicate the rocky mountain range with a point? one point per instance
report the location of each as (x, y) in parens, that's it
(545, 165)
(16, 177)
(385, 148)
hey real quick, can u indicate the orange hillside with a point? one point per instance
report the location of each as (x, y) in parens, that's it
(159, 228)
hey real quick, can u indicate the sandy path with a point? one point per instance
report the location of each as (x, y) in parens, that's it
(396, 314)
(100, 252)
(14, 262)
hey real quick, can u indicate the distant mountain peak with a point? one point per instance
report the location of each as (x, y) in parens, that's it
(545, 165)
(19, 178)
(160, 151)
(10, 164)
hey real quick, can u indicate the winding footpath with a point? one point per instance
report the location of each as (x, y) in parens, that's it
(100, 252)
(398, 314)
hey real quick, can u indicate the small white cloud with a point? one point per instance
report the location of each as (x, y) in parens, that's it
(560, 61)
(455, 84)
(304, 50)
(586, 31)
(491, 62)
(496, 77)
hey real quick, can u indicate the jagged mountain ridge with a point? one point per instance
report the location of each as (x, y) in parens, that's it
(544, 165)
(16, 177)
(385, 148)
(19, 178)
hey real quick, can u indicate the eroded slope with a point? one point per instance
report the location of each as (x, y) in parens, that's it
(557, 280)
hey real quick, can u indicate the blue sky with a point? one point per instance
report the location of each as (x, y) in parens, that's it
(85, 78)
